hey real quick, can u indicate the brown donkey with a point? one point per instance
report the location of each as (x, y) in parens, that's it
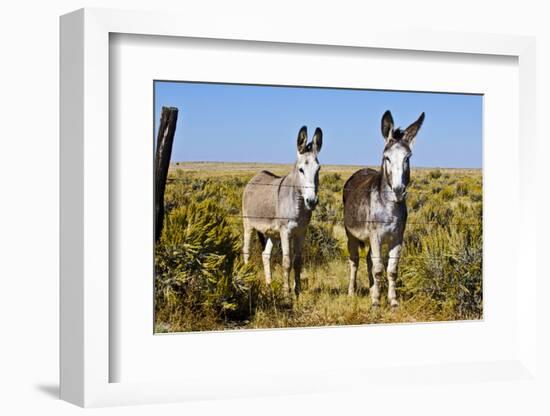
(280, 207)
(375, 211)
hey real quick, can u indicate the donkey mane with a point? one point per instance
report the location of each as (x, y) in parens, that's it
(270, 174)
(308, 147)
(397, 136)
(398, 133)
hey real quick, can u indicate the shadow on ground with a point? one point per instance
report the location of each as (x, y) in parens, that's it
(51, 390)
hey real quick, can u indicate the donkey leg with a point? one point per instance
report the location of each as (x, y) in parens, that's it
(353, 250)
(266, 257)
(298, 242)
(377, 269)
(285, 246)
(369, 267)
(247, 240)
(395, 254)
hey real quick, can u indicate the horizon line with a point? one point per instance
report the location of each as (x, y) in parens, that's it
(323, 164)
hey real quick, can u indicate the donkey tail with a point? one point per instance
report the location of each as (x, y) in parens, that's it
(261, 237)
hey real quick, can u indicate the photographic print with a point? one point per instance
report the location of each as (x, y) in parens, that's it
(281, 206)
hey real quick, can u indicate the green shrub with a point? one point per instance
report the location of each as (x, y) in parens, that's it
(435, 174)
(448, 270)
(320, 246)
(332, 181)
(436, 210)
(448, 193)
(198, 271)
(463, 188)
(415, 201)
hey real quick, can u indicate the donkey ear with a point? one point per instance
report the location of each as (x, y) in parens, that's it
(317, 140)
(412, 130)
(387, 125)
(302, 139)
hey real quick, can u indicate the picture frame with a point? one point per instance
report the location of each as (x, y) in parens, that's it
(86, 263)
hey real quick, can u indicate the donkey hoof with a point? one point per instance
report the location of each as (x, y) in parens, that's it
(376, 304)
(394, 303)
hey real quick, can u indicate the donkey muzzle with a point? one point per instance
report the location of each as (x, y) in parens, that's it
(312, 202)
(400, 191)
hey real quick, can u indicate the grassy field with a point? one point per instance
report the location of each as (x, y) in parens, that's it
(201, 283)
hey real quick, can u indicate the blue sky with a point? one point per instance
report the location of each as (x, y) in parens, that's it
(247, 123)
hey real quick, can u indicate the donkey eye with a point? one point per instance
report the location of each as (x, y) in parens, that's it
(301, 170)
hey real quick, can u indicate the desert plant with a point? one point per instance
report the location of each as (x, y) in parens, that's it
(435, 174)
(198, 271)
(320, 247)
(448, 270)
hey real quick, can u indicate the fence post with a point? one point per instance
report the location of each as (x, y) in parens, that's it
(165, 139)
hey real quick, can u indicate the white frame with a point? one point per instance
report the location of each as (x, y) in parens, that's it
(85, 200)
(137, 60)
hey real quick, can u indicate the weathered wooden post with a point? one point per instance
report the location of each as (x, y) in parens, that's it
(165, 139)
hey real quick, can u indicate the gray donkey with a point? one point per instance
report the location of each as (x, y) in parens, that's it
(375, 211)
(281, 207)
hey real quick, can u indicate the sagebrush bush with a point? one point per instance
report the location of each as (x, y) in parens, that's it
(320, 246)
(448, 193)
(332, 182)
(443, 252)
(198, 268)
(463, 188)
(435, 174)
(447, 268)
